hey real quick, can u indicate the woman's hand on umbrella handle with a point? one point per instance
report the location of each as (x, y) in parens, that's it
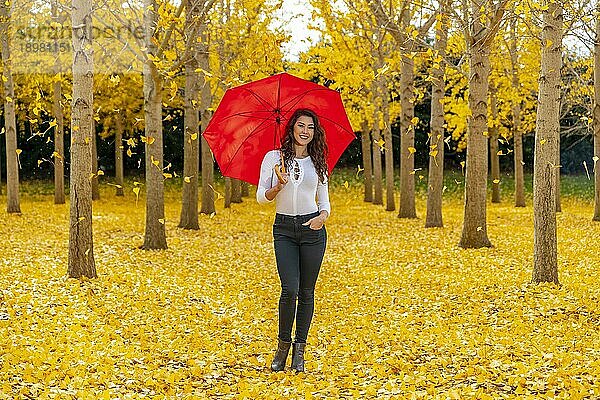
(281, 175)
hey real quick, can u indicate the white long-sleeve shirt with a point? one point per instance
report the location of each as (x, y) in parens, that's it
(301, 196)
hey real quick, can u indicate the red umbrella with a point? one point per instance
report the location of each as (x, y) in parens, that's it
(251, 120)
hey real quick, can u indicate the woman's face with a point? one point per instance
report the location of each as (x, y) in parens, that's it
(304, 130)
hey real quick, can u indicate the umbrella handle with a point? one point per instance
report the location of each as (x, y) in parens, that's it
(282, 162)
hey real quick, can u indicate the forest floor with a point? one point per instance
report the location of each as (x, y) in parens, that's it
(401, 311)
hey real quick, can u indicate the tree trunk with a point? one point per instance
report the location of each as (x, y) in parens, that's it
(95, 186)
(245, 189)
(236, 191)
(119, 156)
(435, 185)
(57, 111)
(191, 133)
(227, 192)
(516, 113)
(474, 232)
(377, 171)
(208, 193)
(545, 267)
(494, 157)
(81, 244)
(390, 204)
(10, 122)
(365, 140)
(155, 235)
(597, 118)
(407, 131)
(557, 175)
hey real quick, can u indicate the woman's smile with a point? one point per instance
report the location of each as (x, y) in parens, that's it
(304, 130)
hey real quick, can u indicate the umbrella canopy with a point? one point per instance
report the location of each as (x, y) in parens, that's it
(251, 118)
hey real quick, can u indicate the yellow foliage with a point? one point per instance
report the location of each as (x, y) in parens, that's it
(401, 311)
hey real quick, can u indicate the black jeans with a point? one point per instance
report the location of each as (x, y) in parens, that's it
(299, 252)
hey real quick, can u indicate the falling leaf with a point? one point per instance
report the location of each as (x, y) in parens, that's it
(359, 170)
(543, 141)
(194, 136)
(161, 220)
(346, 184)
(148, 140)
(19, 151)
(496, 181)
(136, 190)
(586, 169)
(187, 179)
(100, 172)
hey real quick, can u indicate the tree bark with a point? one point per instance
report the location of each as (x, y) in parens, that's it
(95, 183)
(596, 159)
(493, 137)
(377, 170)
(57, 111)
(407, 130)
(365, 139)
(435, 185)
(474, 232)
(516, 114)
(236, 191)
(155, 234)
(10, 123)
(245, 189)
(81, 245)
(390, 204)
(227, 192)
(545, 268)
(119, 155)
(191, 134)
(208, 194)
(557, 176)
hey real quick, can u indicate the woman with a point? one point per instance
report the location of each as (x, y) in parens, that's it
(298, 232)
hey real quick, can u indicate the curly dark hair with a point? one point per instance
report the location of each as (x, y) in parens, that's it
(317, 148)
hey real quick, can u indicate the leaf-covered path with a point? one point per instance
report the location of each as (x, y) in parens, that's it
(401, 311)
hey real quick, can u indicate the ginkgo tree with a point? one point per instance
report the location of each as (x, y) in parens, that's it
(10, 127)
(81, 243)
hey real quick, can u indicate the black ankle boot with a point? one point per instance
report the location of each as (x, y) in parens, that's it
(298, 357)
(283, 348)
